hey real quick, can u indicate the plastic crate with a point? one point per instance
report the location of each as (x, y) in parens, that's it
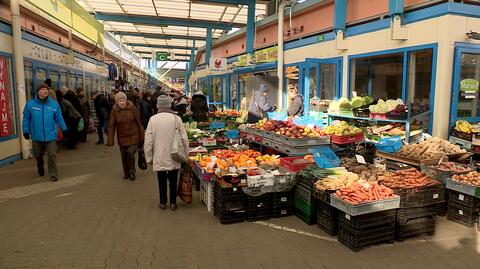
(306, 211)
(309, 219)
(325, 157)
(463, 199)
(406, 214)
(283, 211)
(367, 221)
(462, 215)
(304, 193)
(321, 195)
(389, 145)
(422, 196)
(347, 139)
(437, 174)
(282, 199)
(294, 164)
(463, 188)
(357, 240)
(415, 227)
(231, 217)
(327, 218)
(206, 194)
(364, 208)
(301, 142)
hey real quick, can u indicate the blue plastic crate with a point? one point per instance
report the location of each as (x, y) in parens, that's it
(325, 157)
(389, 145)
(232, 134)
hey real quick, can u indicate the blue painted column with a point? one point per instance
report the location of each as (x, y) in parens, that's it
(306, 88)
(250, 27)
(340, 15)
(208, 46)
(187, 75)
(395, 7)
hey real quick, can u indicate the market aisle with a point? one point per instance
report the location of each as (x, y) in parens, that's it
(94, 219)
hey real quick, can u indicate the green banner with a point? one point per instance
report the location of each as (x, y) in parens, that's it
(70, 13)
(469, 85)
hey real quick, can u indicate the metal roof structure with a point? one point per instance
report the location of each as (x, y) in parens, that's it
(169, 25)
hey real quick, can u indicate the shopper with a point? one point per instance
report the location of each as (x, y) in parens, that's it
(146, 110)
(158, 91)
(295, 107)
(51, 90)
(159, 139)
(125, 120)
(41, 116)
(103, 107)
(71, 116)
(199, 107)
(132, 96)
(259, 106)
(85, 103)
(180, 104)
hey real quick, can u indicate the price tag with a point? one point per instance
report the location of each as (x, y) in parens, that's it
(217, 125)
(461, 197)
(232, 170)
(234, 188)
(283, 199)
(283, 212)
(360, 159)
(435, 196)
(282, 180)
(347, 216)
(243, 181)
(460, 212)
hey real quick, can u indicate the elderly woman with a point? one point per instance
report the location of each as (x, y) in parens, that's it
(125, 119)
(159, 139)
(295, 107)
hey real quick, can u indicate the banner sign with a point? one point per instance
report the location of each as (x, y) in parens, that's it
(162, 56)
(266, 55)
(218, 64)
(5, 126)
(469, 85)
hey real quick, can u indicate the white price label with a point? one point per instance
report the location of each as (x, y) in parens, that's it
(283, 199)
(243, 181)
(283, 180)
(360, 159)
(234, 189)
(347, 216)
(435, 196)
(283, 212)
(461, 197)
(460, 212)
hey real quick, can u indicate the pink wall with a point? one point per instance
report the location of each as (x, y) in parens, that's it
(361, 9)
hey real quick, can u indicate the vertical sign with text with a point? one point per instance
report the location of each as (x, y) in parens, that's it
(4, 85)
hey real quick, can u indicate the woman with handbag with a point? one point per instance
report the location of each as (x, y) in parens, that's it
(259, 106)
(166, 147)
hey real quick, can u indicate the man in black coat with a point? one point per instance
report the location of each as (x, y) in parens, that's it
(103, 107)
(199, 107)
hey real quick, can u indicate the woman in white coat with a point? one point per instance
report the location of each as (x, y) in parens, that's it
(159, 138)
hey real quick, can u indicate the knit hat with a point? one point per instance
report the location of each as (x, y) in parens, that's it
(119, 96)
(263, 88)
(164, 102)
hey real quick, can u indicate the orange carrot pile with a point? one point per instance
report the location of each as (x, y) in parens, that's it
(361, 193)
(408, 178)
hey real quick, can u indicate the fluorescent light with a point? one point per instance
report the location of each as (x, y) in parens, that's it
(206, 2)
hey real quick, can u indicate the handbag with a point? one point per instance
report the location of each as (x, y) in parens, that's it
(81, 125)
(185, 184)
(142, 162)
(178, 152)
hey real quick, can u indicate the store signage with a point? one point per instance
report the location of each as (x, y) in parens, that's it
(218, 64)
(320, 38)
(242, 60)
(266, 55)
(469, 85)
(162, 56)
(4, 113)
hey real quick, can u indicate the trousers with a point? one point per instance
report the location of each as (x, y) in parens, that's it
(172, 177)
(39, 149)
(128, 159)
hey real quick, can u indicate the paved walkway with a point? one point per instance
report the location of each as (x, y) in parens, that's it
(92, 218)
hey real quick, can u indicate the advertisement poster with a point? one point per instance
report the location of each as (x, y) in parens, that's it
(5, 129)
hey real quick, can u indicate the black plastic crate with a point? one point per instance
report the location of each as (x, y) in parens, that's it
(259, 207)
(306, 182)
(282, 199)
(463, 199)
(422, 196)
(309, 219)
(231, 217)
(357, 240)
(327, 218)
(228, 192)
(304, 193)
(441, 209)
(366, 221)
(460, 214)
(283, 211)
(264, 200)
(406, 214)
(414, 227)
(323, 196)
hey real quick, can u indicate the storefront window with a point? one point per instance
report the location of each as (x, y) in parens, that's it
(63, 78)
(53, 75)
(244, 99)
(88, 84)
(7, 110)
(233, 91)
(468, 104)
(379, 76)
(216, 90)
(28, 79)
(291, 77)
(313, 81)
(72, 80)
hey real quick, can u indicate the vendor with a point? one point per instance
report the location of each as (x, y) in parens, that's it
(259, 106)
(295, 107)
(199, 107)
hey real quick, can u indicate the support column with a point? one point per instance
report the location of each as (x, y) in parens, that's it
(208, 46)
(250, 27)
(395, 7)
(186, 79)
(340, 15)
(19, 71)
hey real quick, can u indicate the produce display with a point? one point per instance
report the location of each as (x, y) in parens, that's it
(361, 192)
(365, 172)
(471, 178)
(433, 147)
(288, 129)
(228, 113)
(342, 129)
(383, 107)
(407, 178)
(450, 167)
(466, 127)
(360, 101)
(336, 182)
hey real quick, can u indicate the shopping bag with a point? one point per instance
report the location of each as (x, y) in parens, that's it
(142, 162)
(81, 125)
(59, 134)
(185, 184)
(91, 126)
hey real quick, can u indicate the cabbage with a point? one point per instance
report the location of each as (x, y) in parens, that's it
(367, 100)
(357, 102)
(344, 104)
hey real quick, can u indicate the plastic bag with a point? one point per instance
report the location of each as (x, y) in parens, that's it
(81, 125)
(142, 162)
(185, 184)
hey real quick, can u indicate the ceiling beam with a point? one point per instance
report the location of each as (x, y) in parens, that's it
(164, 21)
(158, 46)
(158, 36)
(149, 52)
(235, 3)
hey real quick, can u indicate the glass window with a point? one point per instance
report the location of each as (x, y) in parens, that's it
(28, 79)
(79, 81)
(379, 76)
(216, 90)
(40, 75)
(243, 97)
(53, 75)
(7, 109)
(88, 84)
(468, 104)
(72, 80)
(63, 78)
(313, 81)
(233, 91)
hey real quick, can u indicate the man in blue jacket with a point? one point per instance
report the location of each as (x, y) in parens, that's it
(40, 118)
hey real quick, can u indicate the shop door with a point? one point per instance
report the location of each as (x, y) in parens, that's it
(465, 87)
(322, 81)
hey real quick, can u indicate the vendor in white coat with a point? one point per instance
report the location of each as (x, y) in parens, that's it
(159, 138)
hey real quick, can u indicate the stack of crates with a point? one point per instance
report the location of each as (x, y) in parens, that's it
(259, 207)
(229, 204)
(305, 204)
(357, 232)
(463, 208)
(282, 204)
(418, 210)
(327, 218)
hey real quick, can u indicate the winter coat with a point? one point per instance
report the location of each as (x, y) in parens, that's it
(181, 106)
(74, 100)
(126, 121)
(146, 112)
(68, 110)
(199, 108)
(296, 106)
(132, 97)
(102, 107)
(258, 107)
(159, 139)
(40, 119)
(85, 108)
